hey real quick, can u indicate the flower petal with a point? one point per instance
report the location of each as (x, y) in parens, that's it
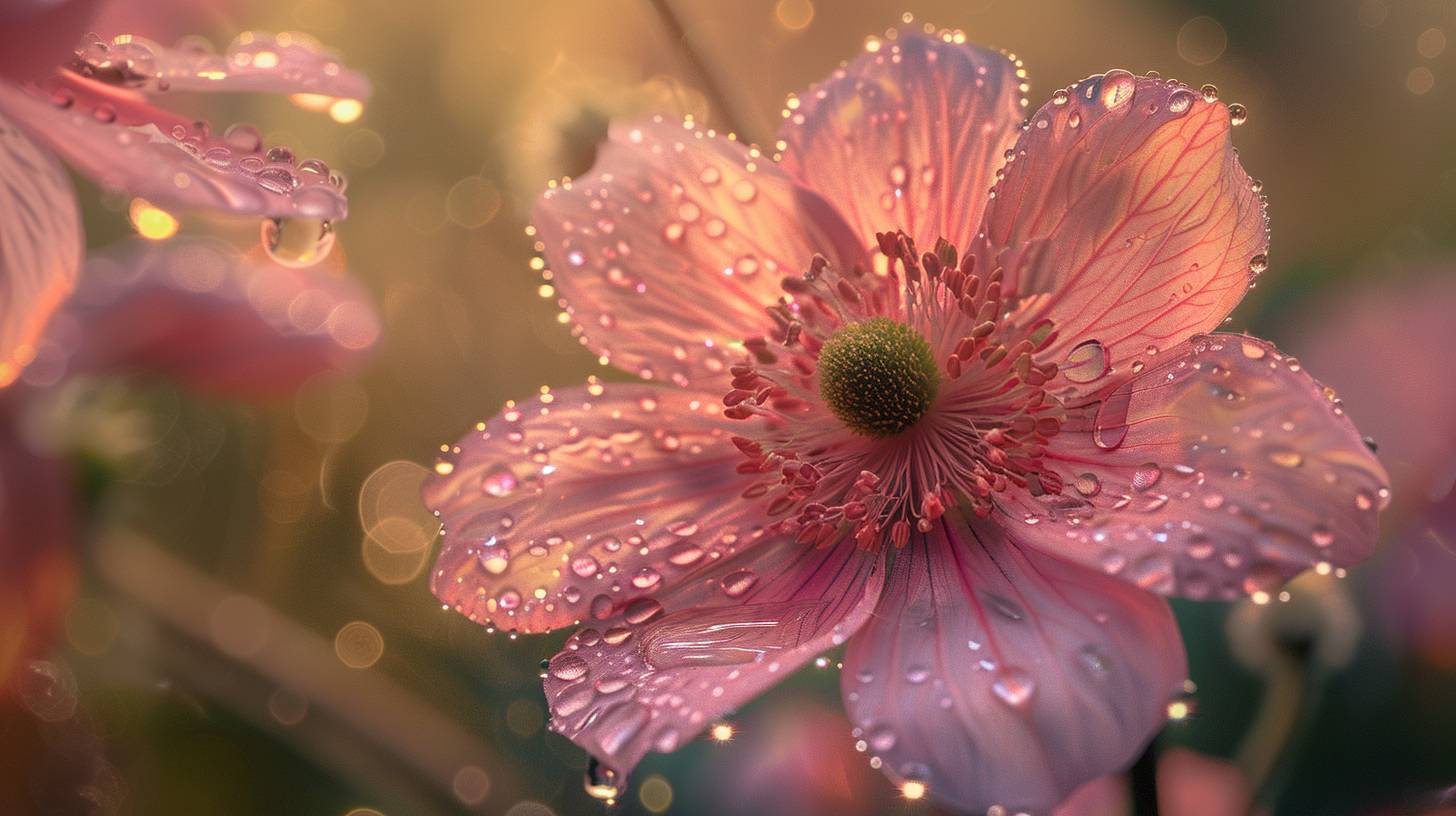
(40, 34)
(658, 673)
(1220, 471)
(122, 142)
(286, 63)
(1001, 676)
(1126, 207)
(908, 136)
(199, 312)
(669, 251)
(40, 246)
(561, 511)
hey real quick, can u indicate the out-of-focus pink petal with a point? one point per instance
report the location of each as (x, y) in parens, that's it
(1381, 345)
(1104, 796)
(1219, 471)
(40, 246)
(672, 247)
(792, 755)
(1191, 784)
(1002, 676)
(563, 509)
(124, 143)
(1126, 209)
(40, 34)
(651, 677)
(908, 137)
(37, 562)
(283, 63)
(201, 313)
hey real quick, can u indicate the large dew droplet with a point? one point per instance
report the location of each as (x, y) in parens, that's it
(1086, 362)
(297, 242)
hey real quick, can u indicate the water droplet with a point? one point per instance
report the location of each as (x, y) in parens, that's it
(568, 667)
(744, 191)
(881, 738)
(1060, 96)
(737, 583)
(1093, 660)
(1146, 475)
(602, 782)
(1322, 536)
(1286, 458)
(297, 242)
(1210, 93)
(1014, 687)
(499, 481)
(585, 566)
(1087, 484)
(1118, 88)
(1109, 428)
(1180, 100)
(642, 610)
(646, 578)
(1238, 114)
(1259, 263)
(1086, 362)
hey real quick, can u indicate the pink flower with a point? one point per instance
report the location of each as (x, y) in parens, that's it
(94, 110)
(978, 465)
(194, 311)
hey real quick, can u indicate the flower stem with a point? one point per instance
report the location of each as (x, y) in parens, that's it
(1144, 778)
(715, 92)
(1285, 701)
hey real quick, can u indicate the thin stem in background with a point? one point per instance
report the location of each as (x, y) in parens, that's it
(1144, 779)
(715, 92)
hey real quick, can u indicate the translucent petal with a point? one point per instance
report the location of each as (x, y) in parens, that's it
(562, 511)
(656, 674)
(1218, 472)
(283, 63)
(907, 137)
(40, 34)
(40, 245)
(995, 675)
(668, 252)
(126, 144)
(197, 311)
(1126, 211)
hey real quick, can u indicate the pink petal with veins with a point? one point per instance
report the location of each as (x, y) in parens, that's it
(199, 312)
(651, 677)
(908, 137)
(40, 34)
(669, 250)
(1219, 471)
(40, 245)
(126, 144)
(563, 511)
(284, 63)
(1001, 676)
(1126, 208)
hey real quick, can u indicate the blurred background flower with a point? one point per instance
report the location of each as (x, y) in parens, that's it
(251, 631)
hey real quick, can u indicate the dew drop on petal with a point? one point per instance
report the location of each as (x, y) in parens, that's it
(1086, 362)
(737, 583)
(1015, 687)
(297, 242)
(1109, 427)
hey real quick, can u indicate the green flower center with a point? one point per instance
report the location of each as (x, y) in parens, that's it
(878, 376)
